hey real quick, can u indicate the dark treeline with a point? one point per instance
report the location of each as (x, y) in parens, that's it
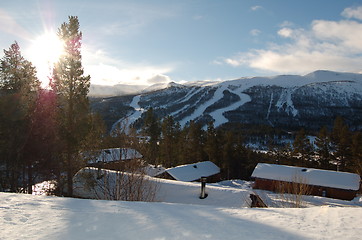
(169, 145)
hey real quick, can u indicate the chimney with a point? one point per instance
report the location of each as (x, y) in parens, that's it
(203, 194)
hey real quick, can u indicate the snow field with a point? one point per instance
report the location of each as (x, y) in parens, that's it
(42, 217)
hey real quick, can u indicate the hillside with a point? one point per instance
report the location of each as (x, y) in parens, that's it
(286, 101)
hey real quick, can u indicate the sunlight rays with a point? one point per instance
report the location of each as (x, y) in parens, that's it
(44, 51)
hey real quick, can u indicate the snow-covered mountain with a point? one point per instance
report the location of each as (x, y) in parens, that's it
(285, 101)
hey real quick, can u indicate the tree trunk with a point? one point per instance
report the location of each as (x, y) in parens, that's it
(69, 175)
(30, 179)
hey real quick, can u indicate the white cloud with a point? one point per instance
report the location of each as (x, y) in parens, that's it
(105, 70)
(334, 45)
(347, 34)
(286, 24)
(255, 8)
(255, 32)
(285, 32)
(9, 25)
(353, 12)
(159, 78)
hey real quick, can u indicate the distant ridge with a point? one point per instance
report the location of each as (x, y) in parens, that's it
(285, 101)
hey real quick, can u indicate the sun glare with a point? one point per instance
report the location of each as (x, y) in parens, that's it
(44, 52)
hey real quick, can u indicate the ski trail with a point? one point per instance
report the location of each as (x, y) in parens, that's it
(193, 91)
(270, 104)
(190, 94)
(218, 115)
(285, 101)
(200, 110)
(126, 122)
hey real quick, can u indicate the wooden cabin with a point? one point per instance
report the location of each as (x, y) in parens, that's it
(114, 158)
(325, 183)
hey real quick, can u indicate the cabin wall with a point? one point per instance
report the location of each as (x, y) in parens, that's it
(274, 186)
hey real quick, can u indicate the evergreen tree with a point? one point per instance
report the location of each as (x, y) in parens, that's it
(195, 143)
(343, 148)
(41, 149)
(337, 129)
(342, 142)
(151, 128)
(17, 75)
(302, 146)
(71, 87)
(18, 92)
(168, 143)
(212, 144)
(183, 155)
(228, 153)
(323, 147)
(356, 149)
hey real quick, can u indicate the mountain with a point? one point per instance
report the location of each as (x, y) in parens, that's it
(285, 101)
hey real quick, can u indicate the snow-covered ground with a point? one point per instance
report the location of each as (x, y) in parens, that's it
(41, 217)
(180, 215)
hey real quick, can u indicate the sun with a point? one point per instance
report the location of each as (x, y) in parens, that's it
(44, 51)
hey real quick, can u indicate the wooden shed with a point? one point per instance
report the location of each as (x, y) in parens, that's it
(332, 184)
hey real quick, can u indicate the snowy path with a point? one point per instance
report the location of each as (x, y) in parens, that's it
(39, 217)
(124, 123)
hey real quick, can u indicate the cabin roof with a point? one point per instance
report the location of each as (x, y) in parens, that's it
(310, 176)
(116, 154)
(194, 171)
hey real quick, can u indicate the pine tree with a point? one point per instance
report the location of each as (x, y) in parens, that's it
(228, 150)
(19, 87)
(323, 147)
(72, 88)
(356, 149)
(168, 143)
(195, 143)
(41, 149)
(342, 142)
(302, 146)
(343, 148)
(151, 128)
(17, 75)
(212, 144)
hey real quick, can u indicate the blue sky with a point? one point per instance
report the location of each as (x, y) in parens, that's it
(146, 42)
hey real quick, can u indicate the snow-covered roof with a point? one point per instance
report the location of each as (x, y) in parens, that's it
(116, 154)
(311, 176)
(153, 171)
(195, 171)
